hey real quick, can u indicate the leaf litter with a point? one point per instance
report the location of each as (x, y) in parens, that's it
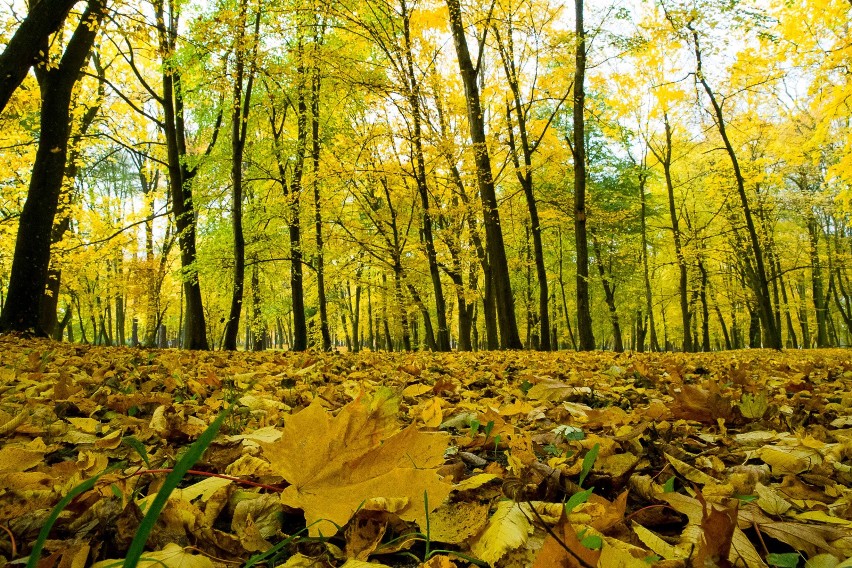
(427, 459)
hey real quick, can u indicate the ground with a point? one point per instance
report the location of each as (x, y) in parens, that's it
(506, 459)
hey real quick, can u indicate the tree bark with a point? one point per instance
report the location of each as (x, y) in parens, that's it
(497, 261)
(181, 175)
(23, 50)
(760, 282)
(525, 178)
(664, 156)
(643, 219)
(319, 259)
(584, 315)
(239, 129)
(32, 248)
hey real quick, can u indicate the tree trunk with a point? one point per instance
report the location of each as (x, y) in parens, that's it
(497, 261)
(817, 283)
(760, 282)
(180, 180)
(584, 314)
(609, 296)
(26, 47)
(412, 88)
(32, 248)
(643, 219)
(524, 175)
(239, 129)
(319, 260)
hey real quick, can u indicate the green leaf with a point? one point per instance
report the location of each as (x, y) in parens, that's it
(578, 498)
(785, 560)
(135, 444)
(592, 541)
(184, 464)
(668, 486)
(747, 498)
(488, 428)
(588, 462)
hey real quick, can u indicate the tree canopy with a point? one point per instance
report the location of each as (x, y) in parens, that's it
(411, 174)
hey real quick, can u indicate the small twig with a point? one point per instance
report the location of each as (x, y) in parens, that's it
(210, 474)
(760, 538)
(11, 539)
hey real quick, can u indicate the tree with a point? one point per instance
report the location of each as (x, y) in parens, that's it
(496, 249)
(578, 149)
(22, 52)
(32, 249)
(239, 131)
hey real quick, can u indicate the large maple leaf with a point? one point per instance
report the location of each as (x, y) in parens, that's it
(337, 464)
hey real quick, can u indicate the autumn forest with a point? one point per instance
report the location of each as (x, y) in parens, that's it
(419, 175)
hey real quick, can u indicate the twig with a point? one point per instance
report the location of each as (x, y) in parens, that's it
(210, 474)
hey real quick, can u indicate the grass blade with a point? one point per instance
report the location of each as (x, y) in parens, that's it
(184, 464)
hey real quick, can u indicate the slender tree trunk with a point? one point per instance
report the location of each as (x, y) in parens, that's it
(760, 283)
(413, 94)
(524, 175)
(646, 274)
(803, 312)
(584, 314)
(31, 258)
(664, 156)
(817, 283)
(705, 309)
(239, 128)
(180, 180)
(319, 259)
(497, 260)
(609, 296)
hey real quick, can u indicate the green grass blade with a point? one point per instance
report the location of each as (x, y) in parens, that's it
(87, 485)
(192, 455)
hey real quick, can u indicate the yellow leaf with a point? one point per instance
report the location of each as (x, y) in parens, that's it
(432, 414)
(171, 556)
(690, 472)
(335, 464)
(555, 391)
(753, 405)
(474, 481)
(771, 501)
(507, 529)
(657, 544)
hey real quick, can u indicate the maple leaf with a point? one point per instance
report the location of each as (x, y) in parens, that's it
(336, 464)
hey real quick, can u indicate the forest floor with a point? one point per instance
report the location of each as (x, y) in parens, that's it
(506, 459)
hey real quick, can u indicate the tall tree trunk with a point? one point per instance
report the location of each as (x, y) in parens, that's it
(759, 282)
(643, 219)
(239, 129)
(664, 156)
(524, 175)
(817, 283)
(705, 309)
(803, 312)
(413, 95)
(32, 248)
(181, 175)
(497, 261)
(564, 300)
(319, 259)
(584, 314)
(609, 296)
